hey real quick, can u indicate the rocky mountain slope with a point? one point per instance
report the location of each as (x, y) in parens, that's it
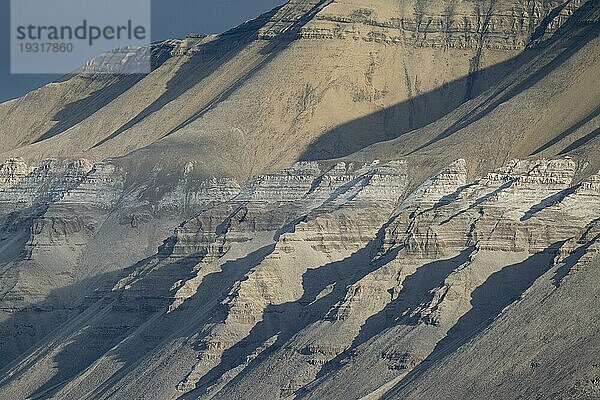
(307, 69)
(339, 199)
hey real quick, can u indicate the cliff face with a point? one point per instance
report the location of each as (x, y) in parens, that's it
(67, 222)
(317, 281)
(158, 234)
(277, 89)
(492, 24)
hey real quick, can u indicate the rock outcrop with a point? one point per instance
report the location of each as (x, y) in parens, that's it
(339, 199)
(322, 281)
(326, 78)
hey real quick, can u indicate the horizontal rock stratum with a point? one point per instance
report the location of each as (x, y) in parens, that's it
(339, 199)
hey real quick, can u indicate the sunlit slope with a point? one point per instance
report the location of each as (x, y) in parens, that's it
(548, 106)
(313, 79)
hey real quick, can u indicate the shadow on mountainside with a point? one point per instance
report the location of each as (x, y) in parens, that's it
(61, 305)
(567, 133)
(549, 202)
(205, 306)
(213, 55)
(269, 52)
(200, 65)
(14, 235)
(16, 229)
(390, 123)
(103, 319)
(581, 142)
(122, 317)
(283, 321)
(558, 50)
(569, 262)
(415, 113)
(92, 329)
(129, 324)
(488, 301)
(417, 289)
(78, 111)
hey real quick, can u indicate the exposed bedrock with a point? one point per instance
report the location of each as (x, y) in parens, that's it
(317, 281)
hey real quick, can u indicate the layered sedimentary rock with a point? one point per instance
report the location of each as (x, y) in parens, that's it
(450, 24)
(67, 223)
(325, 281)
(548, 106)
(326, 78)
(338, 199)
